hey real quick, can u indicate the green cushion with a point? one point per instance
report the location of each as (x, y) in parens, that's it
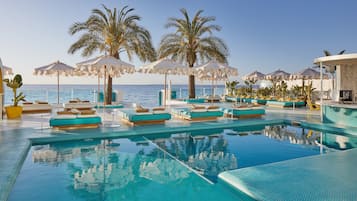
(259, 101)
(75, 121)
(248, 111)
(188, 113)
(132, 116)
(286, 103)
(109, 106)
(195, 100)
(232, 99)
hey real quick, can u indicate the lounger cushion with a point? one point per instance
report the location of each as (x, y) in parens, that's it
(69, 121)
(259, 101)
(132, 116)
(202, 113)
(36, 107)
(286, 103)
(79, 105)
(244, 111)
(195, 100)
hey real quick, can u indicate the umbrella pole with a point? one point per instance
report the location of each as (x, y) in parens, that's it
(57, 87)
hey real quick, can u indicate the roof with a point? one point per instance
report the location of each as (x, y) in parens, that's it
(343, 59)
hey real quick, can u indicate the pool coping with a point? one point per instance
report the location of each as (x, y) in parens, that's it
(144, 130)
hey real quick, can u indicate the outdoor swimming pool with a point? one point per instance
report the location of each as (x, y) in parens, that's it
(182, 166)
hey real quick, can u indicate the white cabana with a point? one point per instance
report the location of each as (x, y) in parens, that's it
(346, 84)
(57, 68)
(166, 67)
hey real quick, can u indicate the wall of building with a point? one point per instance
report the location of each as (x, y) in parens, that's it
(347, 79)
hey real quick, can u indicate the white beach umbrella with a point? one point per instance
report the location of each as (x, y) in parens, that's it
(254, 76)
(167, 67)
(307, 74)
(104, 66)
(277, 75)
(57, 68)
(214, 70)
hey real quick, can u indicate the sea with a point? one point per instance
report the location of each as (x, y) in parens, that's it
(146, 95)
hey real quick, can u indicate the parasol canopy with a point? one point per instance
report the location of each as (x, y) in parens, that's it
(164, 66)
(254, 76)
(57, 68)
(277, 75)
(215, 71)
(307, 74)
(104, 66)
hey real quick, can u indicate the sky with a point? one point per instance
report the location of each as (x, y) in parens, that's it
(261, 35)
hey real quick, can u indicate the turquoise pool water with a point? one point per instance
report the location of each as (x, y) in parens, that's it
(182, 166)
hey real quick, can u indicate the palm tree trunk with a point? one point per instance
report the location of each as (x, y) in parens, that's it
(109, 90)
(191, 89)
(110, 83)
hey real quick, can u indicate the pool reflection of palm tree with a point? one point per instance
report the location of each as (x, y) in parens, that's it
(208, 154)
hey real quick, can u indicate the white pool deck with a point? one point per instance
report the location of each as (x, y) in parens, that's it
(255, 181)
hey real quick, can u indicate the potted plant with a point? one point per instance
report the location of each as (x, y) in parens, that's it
(14, 111)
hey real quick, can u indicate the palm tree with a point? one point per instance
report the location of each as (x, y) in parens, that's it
(113, 32)
(192, 42)
(231, 87)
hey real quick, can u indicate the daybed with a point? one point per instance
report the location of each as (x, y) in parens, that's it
(73, 118)
(143, 116)
(36, 107)
(244, 112)
(259, 101)
(72, 121)
(198, 113)
(283, 104)
(232, 99)
(215, 98)
(195, 100)
(79, 104)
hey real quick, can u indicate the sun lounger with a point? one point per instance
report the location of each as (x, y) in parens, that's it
(244, 112)
(144, 116)
(213, 98)
(198, 113)
(195, 100)
(73, 121)
(259, 101)
(232, 99)
(79, 104)
(36, 107)
(109, 106)
(284, 104)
